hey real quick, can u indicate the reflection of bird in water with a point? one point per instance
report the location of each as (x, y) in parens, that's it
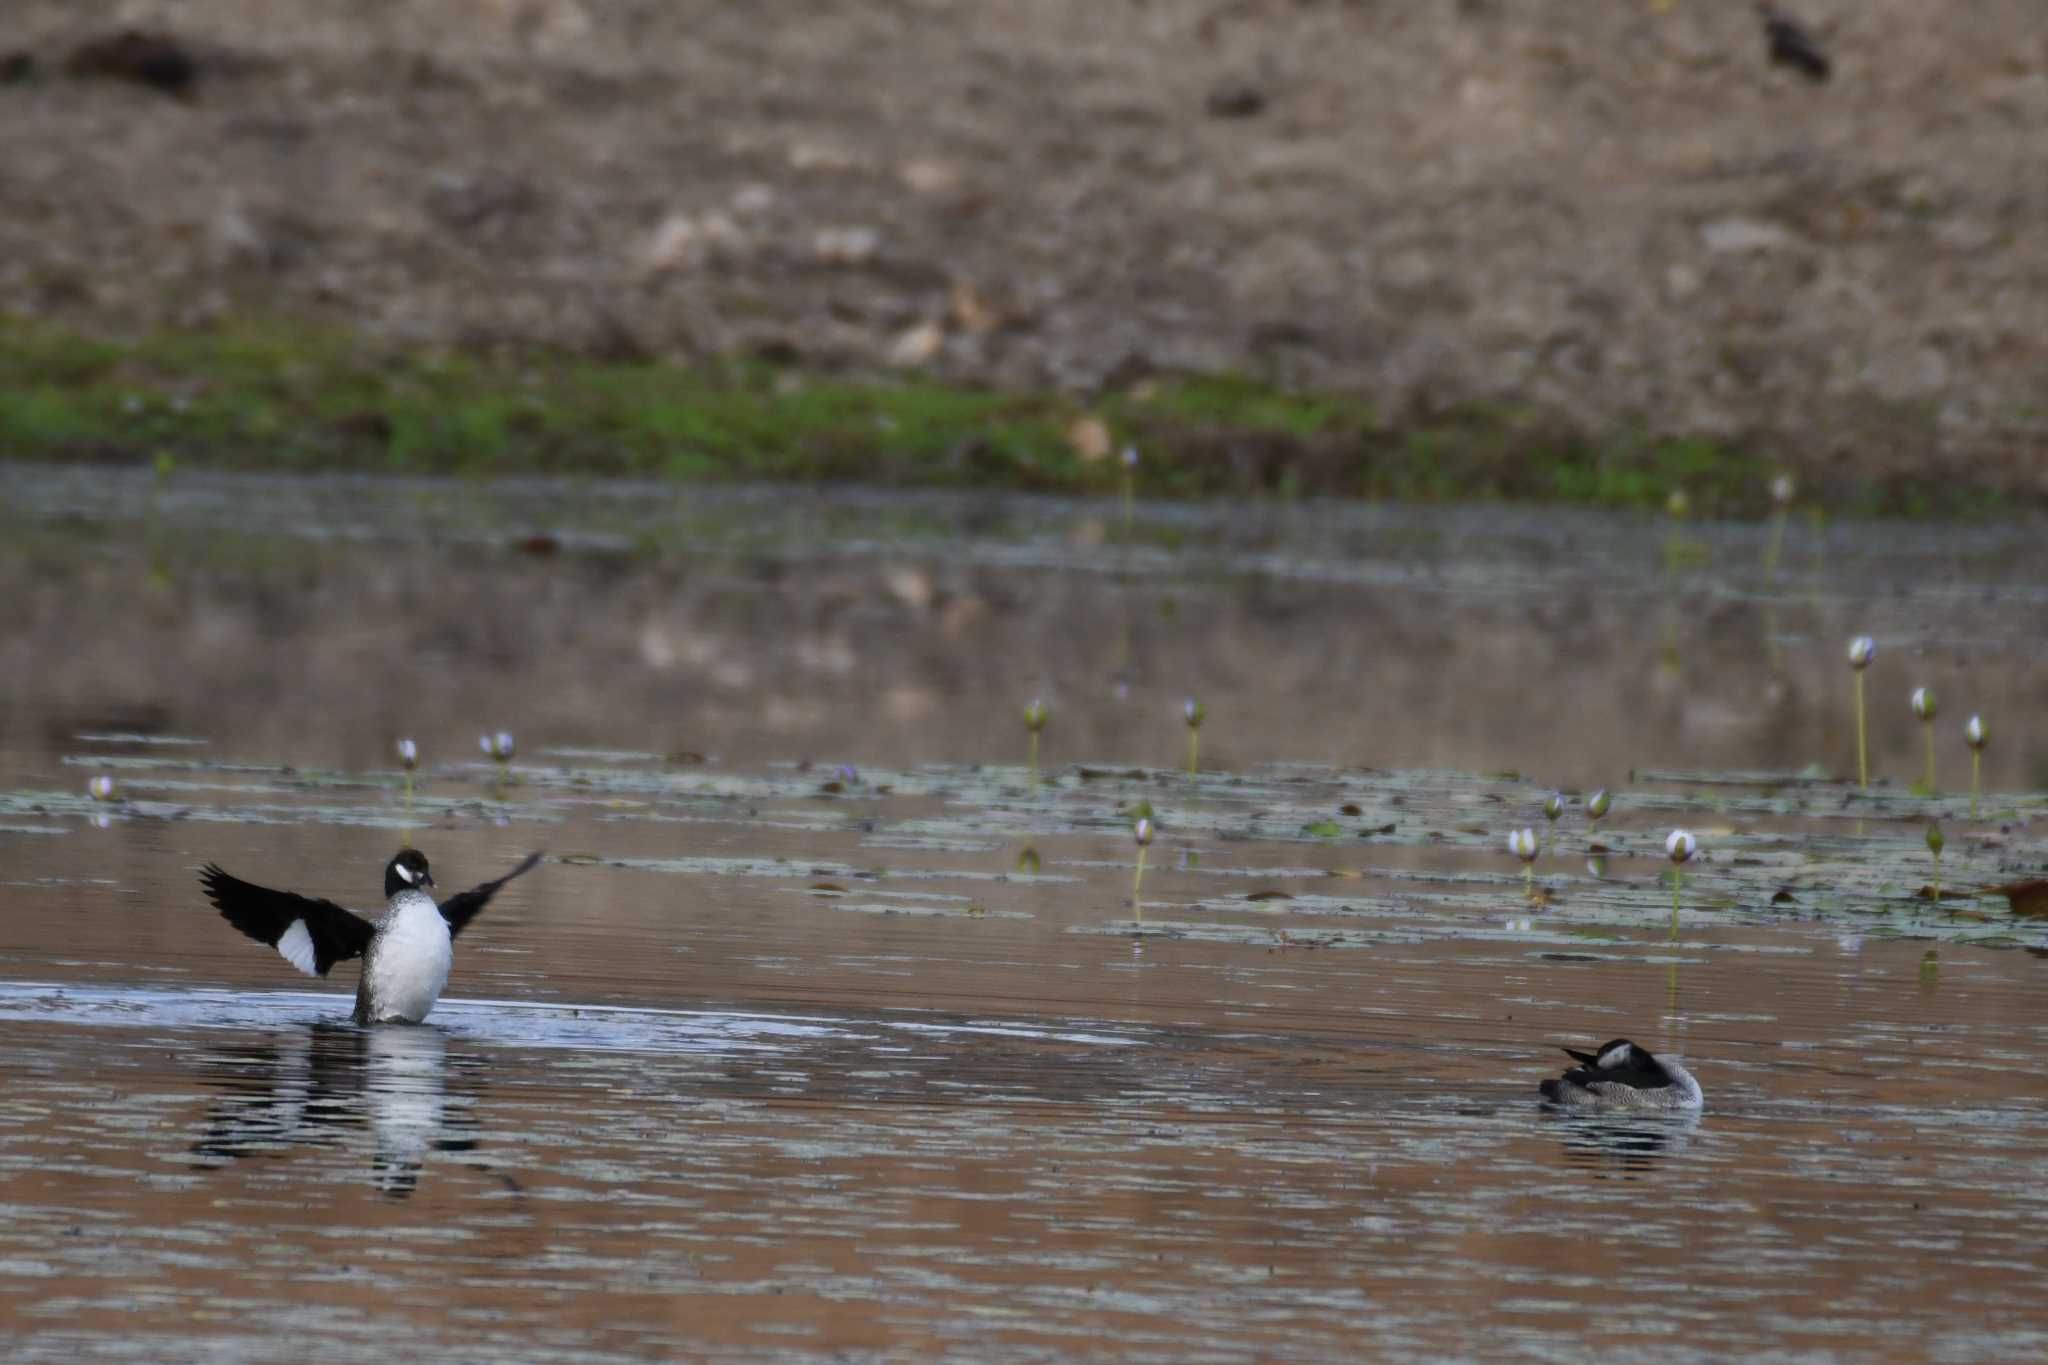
(277, 1094)
(1622, 1075)
(402, 1082)
(1597, 1140)
(315, 1088)
(1792, 45)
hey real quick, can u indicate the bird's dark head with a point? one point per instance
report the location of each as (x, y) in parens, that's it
(407, 872)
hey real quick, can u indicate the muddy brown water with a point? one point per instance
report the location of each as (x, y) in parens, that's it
(775, 1063)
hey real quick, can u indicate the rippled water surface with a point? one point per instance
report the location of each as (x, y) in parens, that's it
(778, 1059)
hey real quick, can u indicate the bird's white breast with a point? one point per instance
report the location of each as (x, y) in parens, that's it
(409, 960)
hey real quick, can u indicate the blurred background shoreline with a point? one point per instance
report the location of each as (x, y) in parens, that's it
(1588, 253)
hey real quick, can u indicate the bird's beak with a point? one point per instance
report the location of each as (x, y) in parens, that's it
(426, 879)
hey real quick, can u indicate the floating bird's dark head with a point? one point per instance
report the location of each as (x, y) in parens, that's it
(1620, 1052)
(407, 872)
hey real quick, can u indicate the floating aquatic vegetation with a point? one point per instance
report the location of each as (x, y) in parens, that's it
(1522, 843)
(1129, 461)
(1976, 736)
(1787, 850)
(846, 779)
(1862, 650)
(409, 760)
(132, 737)
(711, 866)
(1782, 490)
(1034, 725)
(1142, 834)
(951, 907)
(499, 748)
(1924, 710)
(1934, 847)
(1597, 806)
(2027, 898)
(1811, 778)
(1679, 846)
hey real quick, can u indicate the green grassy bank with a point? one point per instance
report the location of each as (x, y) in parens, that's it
(263, 395)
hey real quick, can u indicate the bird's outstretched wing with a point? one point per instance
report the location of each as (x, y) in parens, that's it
(311, 935)
(460, 910)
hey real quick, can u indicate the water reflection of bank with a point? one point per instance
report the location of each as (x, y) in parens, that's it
(315, 619)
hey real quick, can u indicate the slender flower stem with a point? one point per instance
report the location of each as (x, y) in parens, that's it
(1194, 750)
(1677, 884)
(1777, 544)
(1927, 732)
(1138, 880)
(1032, 760)
(1529, 881)
(1862, 746)
(1976, 767)
(1937, 878)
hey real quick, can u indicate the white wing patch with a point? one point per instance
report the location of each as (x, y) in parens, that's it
(296, 947)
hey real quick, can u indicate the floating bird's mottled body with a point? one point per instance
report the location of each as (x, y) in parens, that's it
(406, 953)
(1622, 1075)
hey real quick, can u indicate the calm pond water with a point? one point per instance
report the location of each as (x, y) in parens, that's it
(775, 1060)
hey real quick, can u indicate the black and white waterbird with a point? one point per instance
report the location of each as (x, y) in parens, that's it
(1622, 1075)
(1791, 45)
(406, 953)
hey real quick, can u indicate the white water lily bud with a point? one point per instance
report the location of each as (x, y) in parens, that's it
(1678, 504)
(498, 746)
(1194, 712)
(1522, 843)
(1130, 457)
(1142, 831)
(1597, 803)
(1034, 715)
(1974, 733)
(1553, 805)
(102, 788)
(1862, 650)
(408, 754)
(1782, 489)
(1680, 845)
(1923, 702)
